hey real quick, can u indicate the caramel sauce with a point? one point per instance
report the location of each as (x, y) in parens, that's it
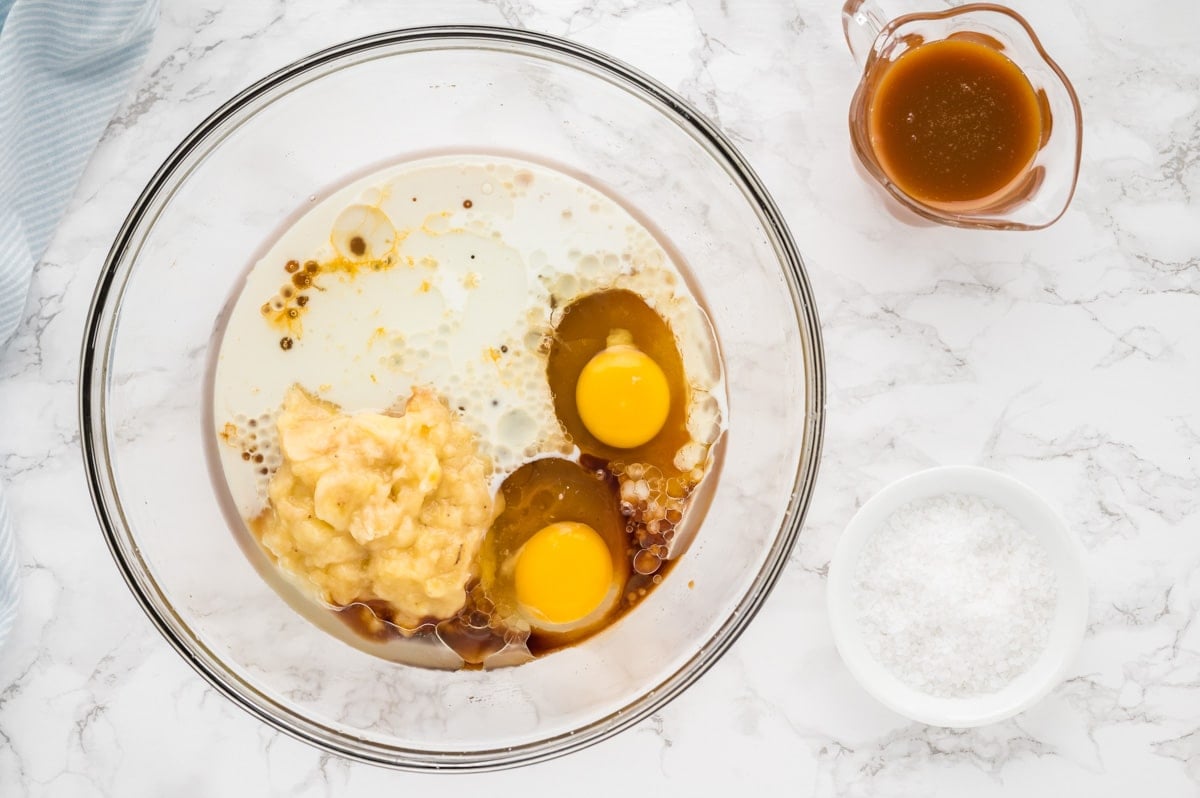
(954, 121)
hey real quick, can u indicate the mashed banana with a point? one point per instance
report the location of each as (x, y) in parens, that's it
(374, 506)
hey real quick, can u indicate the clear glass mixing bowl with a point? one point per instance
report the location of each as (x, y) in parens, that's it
(226, 191)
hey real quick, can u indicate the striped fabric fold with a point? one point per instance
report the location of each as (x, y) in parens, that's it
(64, 67)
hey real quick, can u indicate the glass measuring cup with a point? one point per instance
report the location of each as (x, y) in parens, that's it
(1042, 192)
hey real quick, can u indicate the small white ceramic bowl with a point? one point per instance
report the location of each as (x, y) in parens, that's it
(1066, 633)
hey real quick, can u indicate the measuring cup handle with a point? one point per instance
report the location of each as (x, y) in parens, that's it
(861, 21)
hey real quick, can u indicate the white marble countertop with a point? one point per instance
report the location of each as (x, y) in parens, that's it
(1069, 358)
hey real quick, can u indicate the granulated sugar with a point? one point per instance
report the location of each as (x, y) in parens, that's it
(954, 596)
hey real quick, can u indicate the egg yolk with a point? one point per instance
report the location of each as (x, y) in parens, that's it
(622, 394)
(563, 573)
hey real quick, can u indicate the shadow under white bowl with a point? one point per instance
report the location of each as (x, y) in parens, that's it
(1066, 631)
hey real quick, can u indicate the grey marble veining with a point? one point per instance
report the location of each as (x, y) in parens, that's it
(1069, 358)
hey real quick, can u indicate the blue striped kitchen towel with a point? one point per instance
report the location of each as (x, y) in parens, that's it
(64, 67)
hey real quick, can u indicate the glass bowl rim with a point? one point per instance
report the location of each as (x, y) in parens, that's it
(99, 335)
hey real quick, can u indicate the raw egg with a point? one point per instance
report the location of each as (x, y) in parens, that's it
(618, 383)
(556, 557)
(622, 395)
(563, 574)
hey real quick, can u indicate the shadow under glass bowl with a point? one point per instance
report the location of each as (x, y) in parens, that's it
(229, 189)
